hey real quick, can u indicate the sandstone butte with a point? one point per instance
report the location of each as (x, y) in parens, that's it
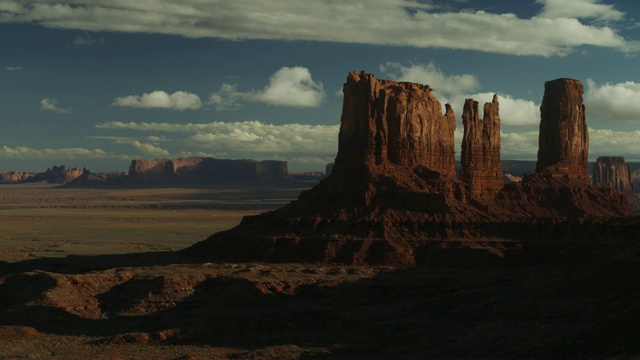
(612, 172)
(393, 196)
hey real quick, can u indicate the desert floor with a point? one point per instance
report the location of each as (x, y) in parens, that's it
(88, 273)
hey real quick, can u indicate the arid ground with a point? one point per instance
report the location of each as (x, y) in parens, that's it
(93, 274)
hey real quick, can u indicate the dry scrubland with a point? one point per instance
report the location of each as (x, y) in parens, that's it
(42, 220)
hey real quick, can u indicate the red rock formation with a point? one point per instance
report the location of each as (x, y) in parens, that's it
(612, 172)
(400, 123)
(563, 139)
(15, 177)
(480, 159)
(392, 196)
(208, 170)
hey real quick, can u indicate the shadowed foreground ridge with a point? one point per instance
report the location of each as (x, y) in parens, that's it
(393, 195)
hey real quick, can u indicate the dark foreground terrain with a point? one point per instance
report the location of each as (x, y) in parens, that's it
(473, 300)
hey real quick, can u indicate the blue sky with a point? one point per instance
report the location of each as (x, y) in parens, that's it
(98, 83)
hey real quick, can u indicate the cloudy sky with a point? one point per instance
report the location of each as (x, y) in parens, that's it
(97, 83)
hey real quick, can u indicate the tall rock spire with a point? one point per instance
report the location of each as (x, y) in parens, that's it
(564, 138)
(481, 165)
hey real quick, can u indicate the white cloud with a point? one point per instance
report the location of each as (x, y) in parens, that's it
(429, 74)
(13, 68)
(397, 23)
(22, 152)
(247, 137)
(519, 145)
(604, 142)
(578, 9)
(179, 100)
(513, 111)
(52, 105)
(144, 148)
(613, 102)
(289, 86)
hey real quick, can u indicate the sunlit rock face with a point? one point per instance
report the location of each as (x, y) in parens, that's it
(564, 138)
(480, 159)
(388, 122)
(612, 172)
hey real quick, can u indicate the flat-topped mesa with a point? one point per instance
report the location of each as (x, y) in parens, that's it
(564, 139)
(480, 158)
(612, 172)
(387, 122)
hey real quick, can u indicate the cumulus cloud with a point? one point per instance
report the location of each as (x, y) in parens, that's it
(289, 86)
(429, 74)
(604, 142)
(22, 152)
(13, 68)
(513, 111)
(456, 88)
(578, 9)
(613, 102)
(52, 105)
(398, 22)
(248, 137)
(179, 100)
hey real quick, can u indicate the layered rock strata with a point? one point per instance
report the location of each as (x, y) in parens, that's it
(400, 123)
(481, 167)
(563, 140)
(612, 172)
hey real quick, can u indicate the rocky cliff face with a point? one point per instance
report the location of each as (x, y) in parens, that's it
(208, 170)
(400, 123)
(480, 159)
(614, 173)
(564, 139)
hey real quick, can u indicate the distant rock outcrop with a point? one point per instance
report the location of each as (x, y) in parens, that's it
(57, 175)
(480, 159)
(208, 171)
(564, 139)
(15, 177)
(614, 173)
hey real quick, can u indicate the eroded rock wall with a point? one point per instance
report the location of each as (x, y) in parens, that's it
(612, 172)
(481, 167)
(389, 122)
(564, 139)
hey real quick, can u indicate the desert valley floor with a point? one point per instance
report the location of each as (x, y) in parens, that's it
(94, 274)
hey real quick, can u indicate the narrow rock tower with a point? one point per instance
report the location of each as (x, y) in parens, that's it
(612, 172)
(399, 123)
(564, 139)
(481, 165)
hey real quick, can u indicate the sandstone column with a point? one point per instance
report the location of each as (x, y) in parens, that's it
(387, 122)
(564, 139)
(480, 158)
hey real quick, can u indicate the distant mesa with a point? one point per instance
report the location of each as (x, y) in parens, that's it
(393, 196)
(54, 175)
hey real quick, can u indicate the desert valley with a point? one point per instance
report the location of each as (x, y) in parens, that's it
(398, 251)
